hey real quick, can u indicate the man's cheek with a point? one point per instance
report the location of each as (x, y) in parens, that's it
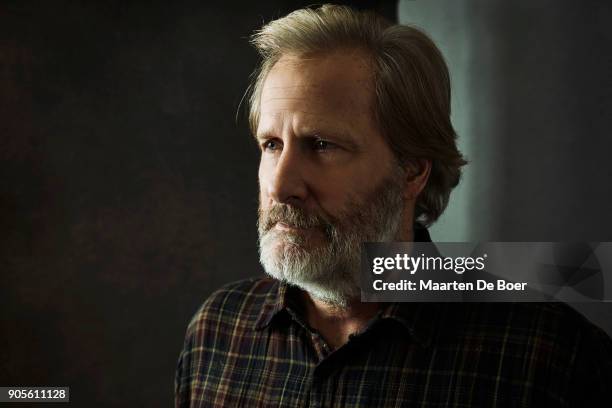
(262, 196)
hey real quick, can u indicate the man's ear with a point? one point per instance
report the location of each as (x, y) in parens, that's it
(417, 174)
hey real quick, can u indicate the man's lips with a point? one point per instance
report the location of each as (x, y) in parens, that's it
(281, 226)
(288, 230)
(286, 227)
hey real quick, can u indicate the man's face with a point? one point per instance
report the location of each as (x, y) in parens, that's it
(328, 180)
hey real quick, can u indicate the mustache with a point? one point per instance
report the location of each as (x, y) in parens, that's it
(293, 217)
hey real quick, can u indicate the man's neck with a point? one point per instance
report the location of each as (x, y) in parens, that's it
(335, 323)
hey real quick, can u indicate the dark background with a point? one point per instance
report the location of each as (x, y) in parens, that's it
(128, 187)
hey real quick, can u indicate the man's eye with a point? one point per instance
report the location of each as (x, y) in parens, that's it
(270, 145)
(322, 145)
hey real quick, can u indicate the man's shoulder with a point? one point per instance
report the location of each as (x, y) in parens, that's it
(546, 317)
(236, 303)
(555, 324)
(550, 317)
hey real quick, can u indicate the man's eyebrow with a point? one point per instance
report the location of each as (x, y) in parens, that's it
(266, 134)
(309, 132)
(339, 135)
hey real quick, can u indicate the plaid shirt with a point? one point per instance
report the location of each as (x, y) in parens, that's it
(248, 346)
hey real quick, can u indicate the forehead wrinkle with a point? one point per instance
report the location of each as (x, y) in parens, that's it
(300, 116)
(285, 86)
(282, 98)
(314, 89)
(278, 112)
(324, 105)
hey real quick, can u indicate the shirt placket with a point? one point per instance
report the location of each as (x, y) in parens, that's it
(322, 350)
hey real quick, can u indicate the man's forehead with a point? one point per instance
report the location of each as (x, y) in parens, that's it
(339, 70)
(332, 84)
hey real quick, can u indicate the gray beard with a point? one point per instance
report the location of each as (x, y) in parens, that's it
(330, 272)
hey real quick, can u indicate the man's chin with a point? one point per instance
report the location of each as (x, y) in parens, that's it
(292, 262)
(311, 274)
(297, 243)
(338, 294)
(335, 294)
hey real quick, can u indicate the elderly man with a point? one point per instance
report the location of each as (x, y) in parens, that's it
(352, 116)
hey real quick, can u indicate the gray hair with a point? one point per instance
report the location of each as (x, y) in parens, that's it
(411, 81)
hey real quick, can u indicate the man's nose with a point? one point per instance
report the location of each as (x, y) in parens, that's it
(287, 184)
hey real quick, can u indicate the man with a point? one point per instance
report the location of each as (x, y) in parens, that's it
(352, 116)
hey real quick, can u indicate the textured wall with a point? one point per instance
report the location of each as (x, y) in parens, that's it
(127, 189)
